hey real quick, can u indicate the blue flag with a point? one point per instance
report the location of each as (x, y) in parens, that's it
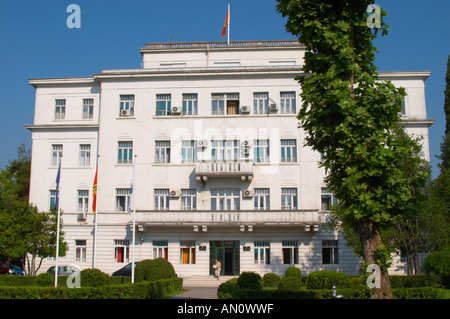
(58, 176)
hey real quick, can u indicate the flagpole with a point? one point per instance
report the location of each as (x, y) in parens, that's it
(229, 20)
(134, 220)
(58, 178)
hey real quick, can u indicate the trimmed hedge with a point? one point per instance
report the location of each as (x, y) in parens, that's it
(271, 280)
(250, 280)
(143, 290)
(325, 279)
(154, 269)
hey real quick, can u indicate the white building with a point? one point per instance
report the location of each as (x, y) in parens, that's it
(210, 131)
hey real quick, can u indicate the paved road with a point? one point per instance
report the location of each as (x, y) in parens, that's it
(198, 293)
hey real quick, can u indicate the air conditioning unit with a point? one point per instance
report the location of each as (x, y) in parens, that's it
(82, 216)
(202, 143)
(273, 107)
(249, 193)
(174, 193)
(125, 112)
(245, 109)
(176, 109)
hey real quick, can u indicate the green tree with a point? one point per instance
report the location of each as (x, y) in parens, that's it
(445, 146)
(348, 114)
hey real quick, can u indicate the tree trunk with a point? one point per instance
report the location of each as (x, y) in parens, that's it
(370, 238)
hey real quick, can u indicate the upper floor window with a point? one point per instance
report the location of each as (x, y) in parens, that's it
(85, 155)
(188, 199)
(127, 105)
(288, 151)
(188, 151)
(163, 104)
(162, 151)
(328, 199)
(261, 103)
(261, 151)
(262, 198)
(122, 199)
(287, 102)
(225, 199)
(125, 153)
(57, 152)
(88, 109)
(161, 199)
(225, 150)
(83, 201)
(288, 198)
(222, 104)
(403, 112)
(190, 104)
(60, 109)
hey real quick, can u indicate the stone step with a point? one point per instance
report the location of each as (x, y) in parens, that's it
(205, 281)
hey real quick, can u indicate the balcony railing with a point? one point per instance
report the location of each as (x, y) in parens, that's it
(204, 170)
(230, 218)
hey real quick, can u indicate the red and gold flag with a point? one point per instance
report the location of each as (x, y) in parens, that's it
(94, 192)
(224, 31)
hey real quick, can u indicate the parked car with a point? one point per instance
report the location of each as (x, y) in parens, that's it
(63, 270)
(4, 270)
(125, 271)
(16, 270)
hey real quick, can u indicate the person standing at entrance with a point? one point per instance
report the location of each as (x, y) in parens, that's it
(218, 267)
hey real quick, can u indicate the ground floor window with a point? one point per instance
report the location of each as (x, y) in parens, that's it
(160, 249)
(262, 252)
(80, 250)
(290, 252)
(121, 251)
(187, 252)
(330, 252)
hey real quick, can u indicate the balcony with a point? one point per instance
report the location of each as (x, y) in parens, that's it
(205, 170)
(310, 219)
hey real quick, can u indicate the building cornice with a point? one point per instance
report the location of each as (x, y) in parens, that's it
(68, 126)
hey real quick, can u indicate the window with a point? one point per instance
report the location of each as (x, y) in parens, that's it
(162, 149)
(127, 105)
(122, 199)
(187, 251)
(403, 112)
(262, 199)
(261, 151)
(85, 155)
(121, 251)
(288, 198)
(225, 150)
(60, 109)
(125, 153)
(52, 199)
(57, 153)
(83, 201)
(80, 250)
(288, 151)
(161, 199)
(163, 104)
(188, 151)
(261, 103)
(225, 199)
(88, 109)
(225, 103)
(287, 101)
(330, 252)
(262, 252)
(160, 249)
(189, 104)
(188, 199)
(328, 199)
(290, 252)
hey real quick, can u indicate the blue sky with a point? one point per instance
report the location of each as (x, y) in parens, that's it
(35, 42)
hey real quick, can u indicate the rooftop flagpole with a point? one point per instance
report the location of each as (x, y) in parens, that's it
(229, 19)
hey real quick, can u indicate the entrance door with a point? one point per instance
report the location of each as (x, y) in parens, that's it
(227, 252)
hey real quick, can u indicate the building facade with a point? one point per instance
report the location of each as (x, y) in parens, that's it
(201, 149)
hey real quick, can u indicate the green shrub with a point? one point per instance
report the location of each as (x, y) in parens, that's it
(250, 280)
(270, 280)
(290, 284)
(94, 278)
(45, 280)
(416, 281)
(293, 272)
(438, 262)
(416, 293)
(325, 279)
(154, 269)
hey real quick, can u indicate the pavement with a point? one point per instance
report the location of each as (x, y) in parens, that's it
(197, 293)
